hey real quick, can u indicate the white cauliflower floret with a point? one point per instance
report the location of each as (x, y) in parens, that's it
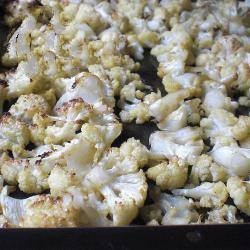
(169, 210)
(75, 110)
(134, 46)
(124, 196)
(139, 110)
(161, 108)
(188, 113)
(225, 214)
(234, 159)
(218, 123)
(28, 105)
(17, 11)
(228, 63)
(40, 211)
(215, 97)
(185, 143)
(31, 174)
(89, 88)
(174, 52)
(169, 175)
(239, 191)
(115, 177)
(223, 123)
(241, 130)
(205, 169)
(24, 80)
(13, 132)
(208, 194)
(189, 81)
(19, 44)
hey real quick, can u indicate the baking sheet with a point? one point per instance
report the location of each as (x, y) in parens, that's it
(134, 237)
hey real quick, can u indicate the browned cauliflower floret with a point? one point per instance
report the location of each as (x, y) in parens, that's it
(209, 194)
(239, 191)
(169, 175)
(13, 133)
(41, 211)
(28, 105)
(205, 169)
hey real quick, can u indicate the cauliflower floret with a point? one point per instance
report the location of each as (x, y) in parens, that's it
(17, 11)
(239, 191)
(205, 169)
(24, 80)
(234, 159)
(134, 46)
(174, 52)
(209, 194)
(241, 130)
(31, 174)
(124, 196)
(19, 43)
(13, 132)
(87, 14)
(225, 214)
(75, 110)
(40, 211)
(167, 104)
(218, 123)
(188, 113)
(169, 209)
(215, 97)
(189, 81)
(28, 105)
(89, 88)
(139, 110)
(115, 177)
(185, 143)
(169, 175)
(229, 63)
(223, 123)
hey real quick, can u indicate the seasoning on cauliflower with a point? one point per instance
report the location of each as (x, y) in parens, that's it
(239, 191)
(208, 194)
(169, 175)
(31, 174)
(27, 106)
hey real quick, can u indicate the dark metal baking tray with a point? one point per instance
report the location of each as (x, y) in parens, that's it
(233, 236)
